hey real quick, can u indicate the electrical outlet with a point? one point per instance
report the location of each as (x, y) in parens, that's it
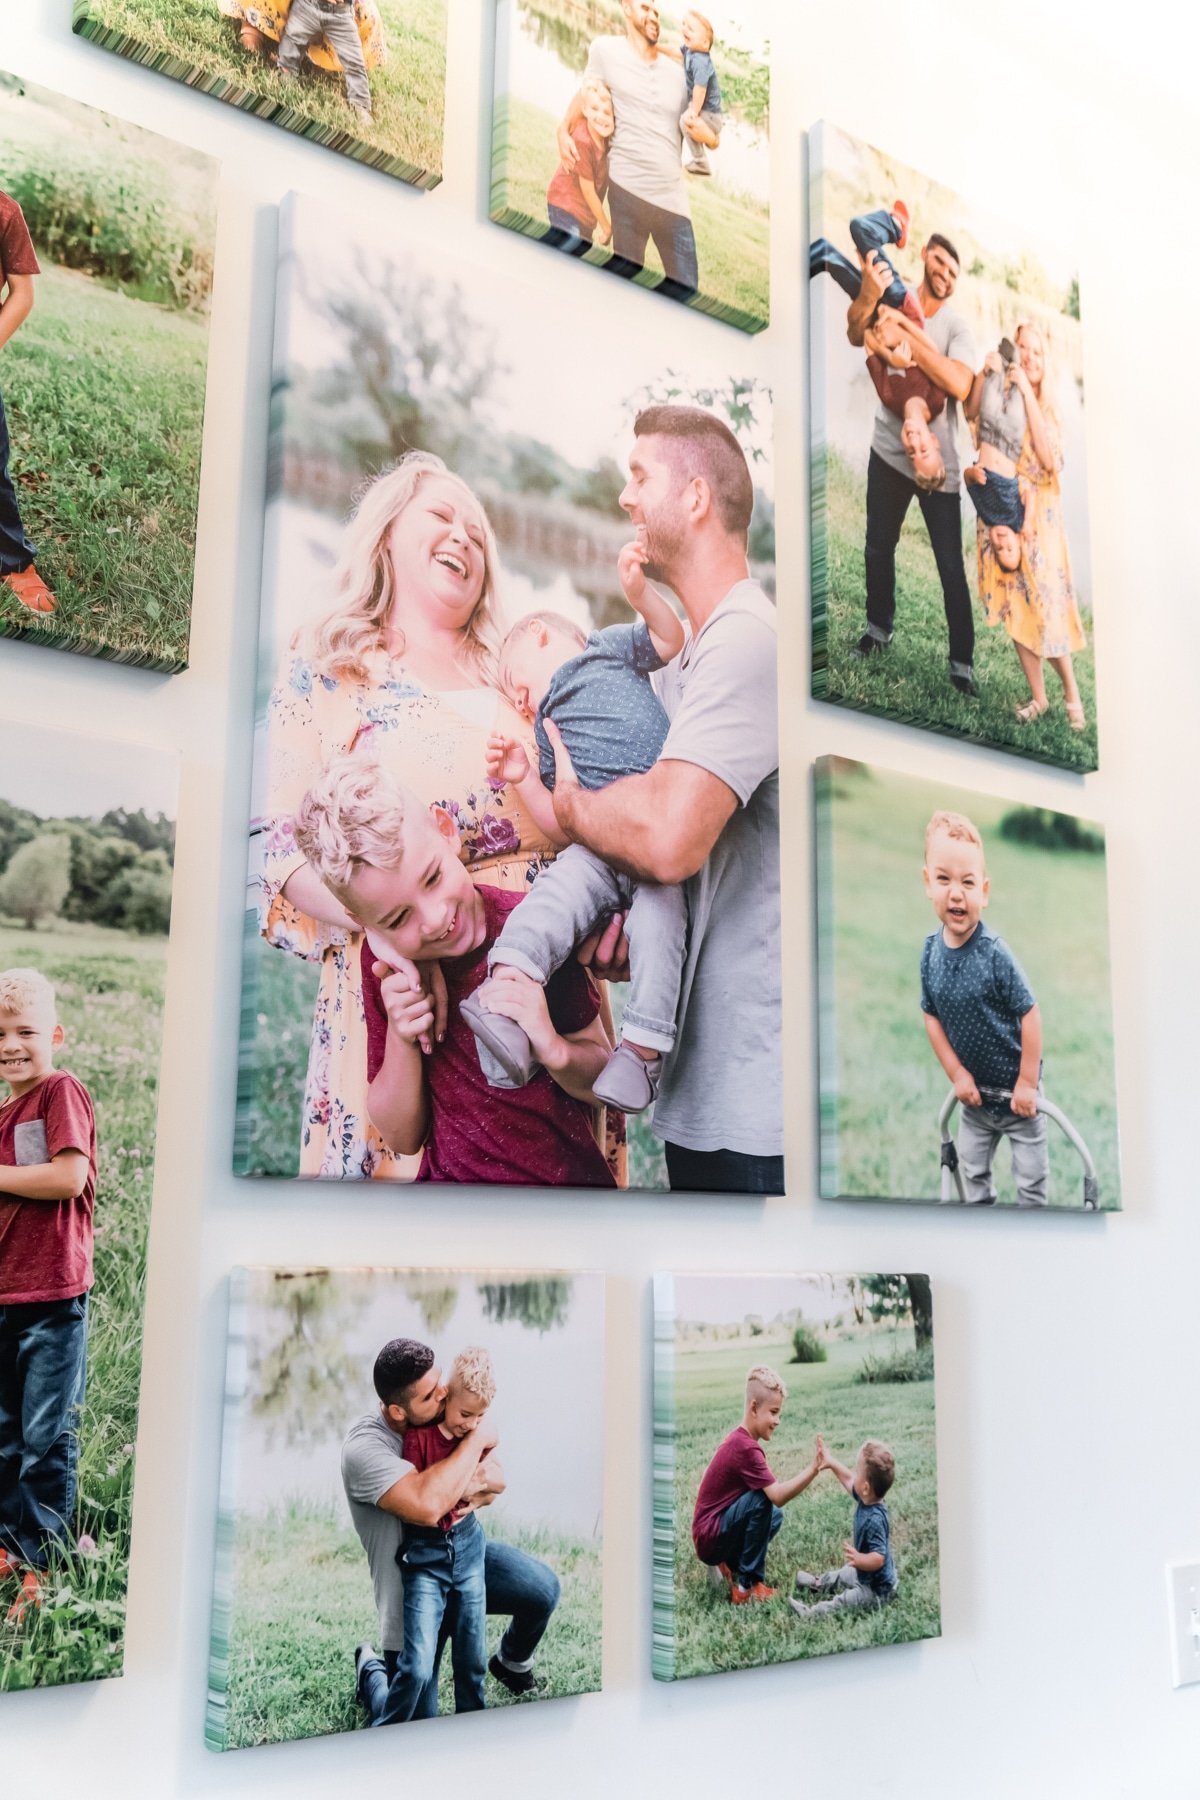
(1183, 1596)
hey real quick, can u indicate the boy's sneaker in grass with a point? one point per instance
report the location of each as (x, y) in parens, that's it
(363, 114)
(900, 214)
(868, 645)
(30, 1595)
(517, 1681)
(9, 1565)
(720, 1576)
(363, 1653)
(805, 1583)
(30, 590)
(741, 1596)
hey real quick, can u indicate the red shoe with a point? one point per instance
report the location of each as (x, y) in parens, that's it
(900, 214)
(741, 1596)
(31, 590)
(727, 1572)
(8, 1565)
(30, 1595)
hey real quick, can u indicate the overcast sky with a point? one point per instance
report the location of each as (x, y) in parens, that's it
(53, 774)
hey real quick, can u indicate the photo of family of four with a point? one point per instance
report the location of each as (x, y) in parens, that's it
(474, 820)
(966, 363)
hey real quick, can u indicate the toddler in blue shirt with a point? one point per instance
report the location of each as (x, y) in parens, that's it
(867, 1579)
(702, 119)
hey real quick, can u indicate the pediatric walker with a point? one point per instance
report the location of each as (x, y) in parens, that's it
(953, 1192)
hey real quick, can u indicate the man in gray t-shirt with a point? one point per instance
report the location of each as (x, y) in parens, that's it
(647, 194)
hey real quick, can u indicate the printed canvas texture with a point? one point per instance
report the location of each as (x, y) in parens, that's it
(637, 140)
(463, 560)
(363, 77)
(795, 1468)
(106, 247)
(411, 1462)
(87, 843)
(966, 1029)
(951, 563)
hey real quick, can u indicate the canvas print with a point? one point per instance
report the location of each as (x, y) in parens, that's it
(946, 366)
(106, 267)
(87, 841)
(637, 139)
(795, 1468)
(411, 1496)
(966, 1031)
(514, 854)
(362, 77)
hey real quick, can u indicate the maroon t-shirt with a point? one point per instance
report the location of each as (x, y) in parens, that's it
(424, 1446)
(535, 1136)
(738, 1467)
(895, 386)
(46, 1245)
(17, 255)
(564, 189)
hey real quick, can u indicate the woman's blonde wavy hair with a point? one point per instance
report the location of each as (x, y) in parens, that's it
(366, 583)
(1047, 399)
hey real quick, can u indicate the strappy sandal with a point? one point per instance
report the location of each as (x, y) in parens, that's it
(1031, 710)
(1075, 715)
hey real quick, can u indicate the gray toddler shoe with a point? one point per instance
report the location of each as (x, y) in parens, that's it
(805, 1583)
(509, 1046)
(627, 1081)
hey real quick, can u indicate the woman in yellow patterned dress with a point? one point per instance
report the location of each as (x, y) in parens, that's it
(404, 661)
(1036, 604)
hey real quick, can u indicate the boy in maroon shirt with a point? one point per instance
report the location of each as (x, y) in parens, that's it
(18, 266)
(575, 197)
(395, 865)
(47, 1190)
(739, 1503)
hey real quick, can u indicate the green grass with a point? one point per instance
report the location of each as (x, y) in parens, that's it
(711, 1635)
(732, 231)
(189, 40)
(302, 1601)
(908, 681)
(882, 1090)
(105, 402)
(110, 993)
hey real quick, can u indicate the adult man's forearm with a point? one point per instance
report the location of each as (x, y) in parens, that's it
(618, 824)
(954, 378)
(439, 1489)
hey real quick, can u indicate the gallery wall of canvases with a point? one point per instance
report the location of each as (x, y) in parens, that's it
(347, 318)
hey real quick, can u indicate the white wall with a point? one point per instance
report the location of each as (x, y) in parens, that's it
(1068, 1447)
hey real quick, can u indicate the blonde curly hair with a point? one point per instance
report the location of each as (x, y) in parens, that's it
(472, 1370)
(353, 813)
(27, 990)
(765, 1380)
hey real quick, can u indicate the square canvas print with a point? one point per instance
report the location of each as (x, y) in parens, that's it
(411, 1497)
(363, 77)
(106, 267)
(87, 842)
(637, 139)
(795, 1468)
(946, 369)
(964, 989)
(514, 853)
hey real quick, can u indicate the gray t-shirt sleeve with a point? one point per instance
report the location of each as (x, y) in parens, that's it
(370, 1468)
(597, 64)
(727, 721)
(960, 345)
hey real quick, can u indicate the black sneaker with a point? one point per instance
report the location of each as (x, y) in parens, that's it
(517, 1681)
(868, 646)
(363, 1653)
(965, 684)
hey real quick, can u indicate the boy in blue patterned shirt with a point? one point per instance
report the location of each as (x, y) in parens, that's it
(982, 1019)
(596, 691)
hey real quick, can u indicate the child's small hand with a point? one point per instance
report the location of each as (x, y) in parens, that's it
(853, 1556)
(602, 234)
(965, 1090)
(516, 996)
(993, 363)
(821, 1459)
(409, 1007)
(506, 759)
(631, 562)
(1024, 1100)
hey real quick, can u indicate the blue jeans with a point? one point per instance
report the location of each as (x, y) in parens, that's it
(634, 223)
(747, 1527)
(43, 1368)
(870, 231)
(443, 1581)
(16, 547)
(722, 1171)
(565, 232)
(889, 495)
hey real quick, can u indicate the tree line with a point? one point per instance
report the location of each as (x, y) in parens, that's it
(114, 870)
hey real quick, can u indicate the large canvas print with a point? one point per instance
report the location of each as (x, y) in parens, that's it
(87, 840)
(106, 267)
(966, 1028)
(514, 853)
(362, 77)
(637, 139)
(795, 1468)
(952, 577)
(411, 1497)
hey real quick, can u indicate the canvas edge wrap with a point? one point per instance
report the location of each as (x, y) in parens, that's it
(215, 1712)
(827, 1067)
(818, 474)
(662, 1658)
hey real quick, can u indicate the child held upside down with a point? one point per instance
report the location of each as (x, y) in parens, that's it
(997, 408)
(597, 692)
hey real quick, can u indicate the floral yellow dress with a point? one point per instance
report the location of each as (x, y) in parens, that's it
(436, 742)
(1036, 604)
(270, 17)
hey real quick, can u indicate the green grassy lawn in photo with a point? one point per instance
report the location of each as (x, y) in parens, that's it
(110, 996)
(732, 230)
(189, 39)
(710, 1634)
(908, 680)
(105, 402)
(1051, 908)
(302, 1602)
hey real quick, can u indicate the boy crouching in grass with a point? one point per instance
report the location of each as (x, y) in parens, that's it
(867, 1579)
(739, 1503)
(18, 266)
(47, 1191)
(396, 867)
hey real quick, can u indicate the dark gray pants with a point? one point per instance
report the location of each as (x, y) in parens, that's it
(309, 20)
(980, 1130)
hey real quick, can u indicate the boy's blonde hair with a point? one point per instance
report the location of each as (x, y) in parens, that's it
(930, 484)
(26, 990)
(472, 1369)
(765, 1378)
(691, 13)
(353, 813)
(954, 825)
(594, 85)
(880, 1465)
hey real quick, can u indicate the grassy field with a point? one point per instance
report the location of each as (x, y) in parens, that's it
(711, 1635)
(732, 231)
(1050, 907)
(105, 402)
(110, 992)
(189, 40)
(303, 1601)
(908, 681)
